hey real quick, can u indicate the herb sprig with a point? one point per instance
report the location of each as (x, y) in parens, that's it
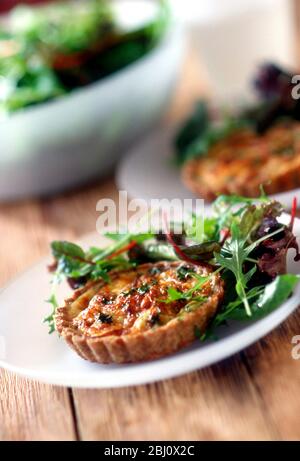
(176, 295)
(233, 257)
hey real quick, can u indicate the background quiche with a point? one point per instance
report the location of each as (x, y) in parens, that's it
(238, 150)
(142, 313)
(243, 161)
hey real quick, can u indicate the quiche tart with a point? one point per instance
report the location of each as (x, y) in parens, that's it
(141, 313)
(243, 161)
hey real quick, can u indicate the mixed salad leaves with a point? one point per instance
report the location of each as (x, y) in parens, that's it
(48, 50)
(243, 240)
(201, 131)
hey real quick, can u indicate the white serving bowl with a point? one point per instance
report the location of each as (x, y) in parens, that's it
(68, 141)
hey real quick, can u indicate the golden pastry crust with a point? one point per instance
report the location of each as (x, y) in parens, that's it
(243, 162)
(143, 327)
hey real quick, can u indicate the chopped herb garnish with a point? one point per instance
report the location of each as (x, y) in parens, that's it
(104, 318)
(155, 270)
(143, 289)
(129, 292)
(183, 272)
(189, 295)
(154, 319)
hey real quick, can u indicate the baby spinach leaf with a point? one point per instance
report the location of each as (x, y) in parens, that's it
(275, 294)
(63, 248)
(268, 299)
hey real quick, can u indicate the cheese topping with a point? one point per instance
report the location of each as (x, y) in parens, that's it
(140, 299)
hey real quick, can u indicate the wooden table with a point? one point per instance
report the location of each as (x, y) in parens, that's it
(253, 395)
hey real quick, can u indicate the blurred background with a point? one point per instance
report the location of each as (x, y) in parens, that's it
(82, 81)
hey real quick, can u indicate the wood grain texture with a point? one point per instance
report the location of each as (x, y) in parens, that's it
(254, 395)
(276, 376)
(218, 403)
(28, 410)
(32, 411)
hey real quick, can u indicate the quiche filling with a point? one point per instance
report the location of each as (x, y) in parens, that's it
(144, 298)
(243, 157)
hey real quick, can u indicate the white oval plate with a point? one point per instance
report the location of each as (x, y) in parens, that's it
(153, 158)
(27, 349)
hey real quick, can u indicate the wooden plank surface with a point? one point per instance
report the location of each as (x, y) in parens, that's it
(32, 411)
(218, 403)
(28, 410)
(253, 395)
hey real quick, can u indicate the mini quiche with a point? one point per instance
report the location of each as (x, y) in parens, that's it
(141, 313)
(243, 161)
